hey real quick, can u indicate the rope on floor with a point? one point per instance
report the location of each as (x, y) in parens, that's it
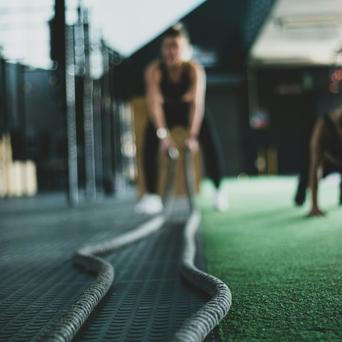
(200, 324)
(194, 329)
(87, 257)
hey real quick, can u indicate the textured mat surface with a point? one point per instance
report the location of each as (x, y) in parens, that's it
(149, 301)
(38, 282)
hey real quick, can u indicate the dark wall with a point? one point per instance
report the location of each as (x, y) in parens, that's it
(38, 130)
(294, 99)
(43, 106)
(13, 93)
(226, 27)
(225, 112)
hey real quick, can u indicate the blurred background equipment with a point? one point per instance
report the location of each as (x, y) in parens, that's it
(293, 74)
(71, 72)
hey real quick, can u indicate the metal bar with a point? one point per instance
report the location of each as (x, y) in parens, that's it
(115, 127)
(98, 132)
(90, 182)
(73, 191)
(4, 120)
(107, 125)
(22, 106)
(117, 136)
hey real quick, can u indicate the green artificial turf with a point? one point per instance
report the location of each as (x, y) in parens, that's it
(284, 269)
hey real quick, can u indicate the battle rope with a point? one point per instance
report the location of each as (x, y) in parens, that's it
(200, 324)
(197, 327)
(87, 257)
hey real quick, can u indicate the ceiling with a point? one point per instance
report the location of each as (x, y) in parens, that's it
(222, 33)
(300, 32)
(24, 31)
(128, 25)
(125, 26)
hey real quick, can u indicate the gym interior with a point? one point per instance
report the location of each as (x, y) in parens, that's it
(79, 262)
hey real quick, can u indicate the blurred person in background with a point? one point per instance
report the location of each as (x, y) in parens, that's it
(325, 154)
(175, 90)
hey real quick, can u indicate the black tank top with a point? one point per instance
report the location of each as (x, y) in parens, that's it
(333, 141)
(173, 91)
(176, 110)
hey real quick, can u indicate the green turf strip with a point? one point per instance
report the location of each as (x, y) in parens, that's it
(284, 270)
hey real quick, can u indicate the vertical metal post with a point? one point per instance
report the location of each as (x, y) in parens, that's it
(73, 191)
(107, 125)
(3, 109)
(90, 182)
(117, 111)
(119, 131)
(11, 95)
(98, 131)
(116, 133)
(21, 94)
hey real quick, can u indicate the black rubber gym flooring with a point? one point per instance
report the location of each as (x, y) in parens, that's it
(38, 282)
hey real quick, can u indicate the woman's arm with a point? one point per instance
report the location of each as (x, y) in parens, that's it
(196, 97)
(155, 105)
(153, 96)
(316, 158)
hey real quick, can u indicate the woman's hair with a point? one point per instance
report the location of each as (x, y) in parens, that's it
(177, 30)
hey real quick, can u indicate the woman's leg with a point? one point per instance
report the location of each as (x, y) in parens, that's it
(340, 199)
(151, 148)
(150, 159)
(211, 153)
(150, 203)
(303, 179)
(213, 163)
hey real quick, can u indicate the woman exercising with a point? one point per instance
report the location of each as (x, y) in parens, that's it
(326, 153)
(175, 90)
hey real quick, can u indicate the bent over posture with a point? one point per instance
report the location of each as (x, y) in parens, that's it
(175, 90)
(326, 153)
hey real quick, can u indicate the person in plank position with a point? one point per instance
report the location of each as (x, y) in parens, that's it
(325, 153)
